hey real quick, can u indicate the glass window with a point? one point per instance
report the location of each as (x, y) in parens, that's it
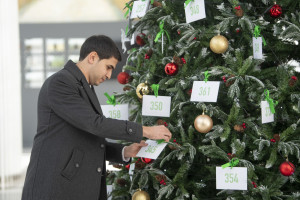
(34, 45)
(55, 62)
(55, 45)
(75, 44)
(34, 79)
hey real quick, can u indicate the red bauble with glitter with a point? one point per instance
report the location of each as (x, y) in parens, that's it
(287, 168)
(146, 160)
(123, 77)
(171, 69)
(276, 11)
(139, 39)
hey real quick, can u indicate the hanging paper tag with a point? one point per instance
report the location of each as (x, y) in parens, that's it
(115, 112)
(234, 178)
(266, 114)
(131, 168)
(194, 11)
(205, 92)
(156, 106)
(109, 191)
(132, 41)
(257, 48)
(152, 150)
(139, 9)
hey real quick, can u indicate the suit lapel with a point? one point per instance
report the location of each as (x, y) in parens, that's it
(92, 95)
(73, 69)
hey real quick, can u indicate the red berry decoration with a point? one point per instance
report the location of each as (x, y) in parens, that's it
(139, 39)
(146, 160)
(287, 168)
(171, 69)
(123, 77)
(183, 60)
(127, 166)
(273, 140)
(276, 11)
(254, 184)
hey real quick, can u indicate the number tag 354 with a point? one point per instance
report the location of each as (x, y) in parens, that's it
(231, 178)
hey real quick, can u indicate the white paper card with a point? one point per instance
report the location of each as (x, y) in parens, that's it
(152, 150)
(115, 112)
(231, 178)
(257, 48)
(266, 114)
(139, 9)
(131, 168)
(194, 11)
(205, 92)
(156, 106)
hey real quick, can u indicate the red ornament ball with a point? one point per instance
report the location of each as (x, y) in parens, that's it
(139, 39)
(146, 160)
(276, 11)
(287, 168)
(123, 77)
(171, 69)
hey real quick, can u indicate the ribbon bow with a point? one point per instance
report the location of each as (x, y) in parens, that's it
(257, 34)
(111, 99)
(155, 88)
(186, 3)
(160, 141)
(233, 162)
(206, 74)
(162, 30)
(129, 9)
(270, 101)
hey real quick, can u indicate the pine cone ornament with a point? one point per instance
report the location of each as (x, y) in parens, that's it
(293, 81)
(229, 83)
(160, 177)
(276, 137)
(121, 181)
(140, 165)
(157, 4)
(239, 128)
(178, 61)
(117, 166)
(239, 11)
(126, 88)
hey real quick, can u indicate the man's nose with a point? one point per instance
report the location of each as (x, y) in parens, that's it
(108, 74)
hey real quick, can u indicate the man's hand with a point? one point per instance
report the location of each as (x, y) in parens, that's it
(133, 149)
(157, 133)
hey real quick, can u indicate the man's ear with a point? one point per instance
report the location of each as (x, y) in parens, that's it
(92, 57)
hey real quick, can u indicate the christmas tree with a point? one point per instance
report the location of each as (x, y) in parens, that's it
(249, 49)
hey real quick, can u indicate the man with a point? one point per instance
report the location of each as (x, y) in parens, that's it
(69, 151)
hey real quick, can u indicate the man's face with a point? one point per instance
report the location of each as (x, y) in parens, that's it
(101, 70)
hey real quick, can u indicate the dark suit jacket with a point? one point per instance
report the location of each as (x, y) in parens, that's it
(69, 151)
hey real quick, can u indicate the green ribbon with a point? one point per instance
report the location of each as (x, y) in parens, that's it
(186, 3)
(155, 88)
(111, 99)
(271, 102)
(257, 34)
(233, 162)
(206, 74)
(129, 9)
(126, 31)
(162, 30)
(152, 1)
(160, 141)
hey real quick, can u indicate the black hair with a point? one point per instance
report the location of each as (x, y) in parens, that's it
(102, 45)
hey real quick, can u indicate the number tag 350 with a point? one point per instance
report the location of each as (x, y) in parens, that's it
(156, 106)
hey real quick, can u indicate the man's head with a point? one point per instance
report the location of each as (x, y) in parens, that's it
(99, 56)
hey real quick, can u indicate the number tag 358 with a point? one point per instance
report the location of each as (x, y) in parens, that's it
(115, 112)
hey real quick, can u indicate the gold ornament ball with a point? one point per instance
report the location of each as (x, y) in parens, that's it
(140, 195)
(142, 89)
(203, 123)
(218, 44)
